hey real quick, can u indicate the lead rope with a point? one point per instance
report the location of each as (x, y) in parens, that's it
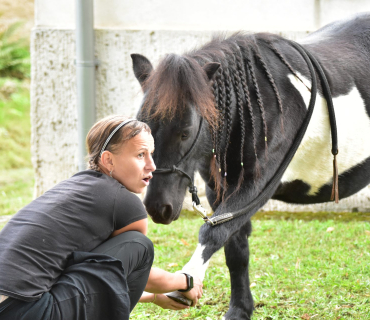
(333, 125)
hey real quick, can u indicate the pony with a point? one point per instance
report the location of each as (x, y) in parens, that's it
(232, 110)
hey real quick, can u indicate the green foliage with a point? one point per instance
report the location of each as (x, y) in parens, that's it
(14, 54)
(15, 126)
(16, 174)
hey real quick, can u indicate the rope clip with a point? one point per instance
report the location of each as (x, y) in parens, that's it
(202, 212)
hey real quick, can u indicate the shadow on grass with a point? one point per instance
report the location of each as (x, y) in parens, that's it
(304, 216)
(309, 216)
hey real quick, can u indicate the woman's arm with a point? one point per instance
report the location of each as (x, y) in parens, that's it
(141, 226)
(161, 281)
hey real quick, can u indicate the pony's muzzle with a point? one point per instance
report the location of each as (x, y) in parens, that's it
(161, 213)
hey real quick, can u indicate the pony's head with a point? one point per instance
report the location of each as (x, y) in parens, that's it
(222, 83)
(177, 95)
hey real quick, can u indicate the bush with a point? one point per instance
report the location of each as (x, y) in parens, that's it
(14, 54)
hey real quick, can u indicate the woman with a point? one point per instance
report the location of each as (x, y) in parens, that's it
(80, 251)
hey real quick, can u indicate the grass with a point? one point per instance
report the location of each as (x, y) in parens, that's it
(297, 268)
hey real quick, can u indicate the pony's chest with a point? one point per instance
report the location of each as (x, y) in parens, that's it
(312, 162)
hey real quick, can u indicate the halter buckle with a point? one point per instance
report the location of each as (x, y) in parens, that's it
(202, 212)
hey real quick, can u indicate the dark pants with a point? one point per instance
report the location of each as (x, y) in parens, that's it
(94, 286)
(136, 253)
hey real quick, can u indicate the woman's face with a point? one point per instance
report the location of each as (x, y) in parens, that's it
(133, 163)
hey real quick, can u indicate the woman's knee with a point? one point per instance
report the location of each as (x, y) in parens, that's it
(135, 236)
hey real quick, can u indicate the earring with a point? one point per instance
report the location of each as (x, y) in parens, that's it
(110, 173)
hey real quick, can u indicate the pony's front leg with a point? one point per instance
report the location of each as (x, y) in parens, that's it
(237, 260)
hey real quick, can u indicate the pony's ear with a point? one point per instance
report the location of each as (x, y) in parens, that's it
(142, 67)
(210, 69)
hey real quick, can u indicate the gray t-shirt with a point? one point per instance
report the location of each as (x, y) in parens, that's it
(78, 214)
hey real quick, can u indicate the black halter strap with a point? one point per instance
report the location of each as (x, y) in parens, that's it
(270, 188)
(192, 188)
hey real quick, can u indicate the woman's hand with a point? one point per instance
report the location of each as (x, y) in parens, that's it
(166, 303)
(196, 293)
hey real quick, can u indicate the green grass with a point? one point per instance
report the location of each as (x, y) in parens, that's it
(297, 268)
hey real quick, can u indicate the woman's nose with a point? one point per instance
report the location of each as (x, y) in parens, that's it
(151, 165)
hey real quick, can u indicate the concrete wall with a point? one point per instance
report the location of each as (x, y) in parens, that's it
(152, 28)
(262, 15)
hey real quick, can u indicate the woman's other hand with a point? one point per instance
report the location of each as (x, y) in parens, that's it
(166, 303)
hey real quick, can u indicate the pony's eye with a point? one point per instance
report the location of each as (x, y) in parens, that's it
(184, 136)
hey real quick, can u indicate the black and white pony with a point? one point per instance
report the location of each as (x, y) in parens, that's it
(238, 104)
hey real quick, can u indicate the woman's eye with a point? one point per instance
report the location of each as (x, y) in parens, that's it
(141, 155)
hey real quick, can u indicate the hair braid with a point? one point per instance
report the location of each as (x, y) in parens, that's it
(243, 78)
(269, 76)
(239, 102)
(259, 99)
(92, 164)
(272, 82)
(222, 106)
(214, 130)
(228, 87)
(281, 57)
(236, 80)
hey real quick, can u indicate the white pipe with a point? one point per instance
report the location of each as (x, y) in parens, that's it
(85, 69)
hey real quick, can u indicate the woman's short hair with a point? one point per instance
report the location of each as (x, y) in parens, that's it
(101, 130)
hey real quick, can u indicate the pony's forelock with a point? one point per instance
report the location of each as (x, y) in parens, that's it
(177, 82)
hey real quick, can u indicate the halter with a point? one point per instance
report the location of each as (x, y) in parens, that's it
(268, 191)
(192, 188)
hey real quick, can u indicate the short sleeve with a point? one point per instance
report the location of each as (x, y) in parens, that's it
(128, 208)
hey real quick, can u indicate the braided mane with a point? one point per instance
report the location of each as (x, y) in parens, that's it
(179, 80)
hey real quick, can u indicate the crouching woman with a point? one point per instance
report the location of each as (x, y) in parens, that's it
(80, 250)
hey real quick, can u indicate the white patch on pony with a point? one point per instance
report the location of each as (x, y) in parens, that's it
(196, 266)
(313, 161)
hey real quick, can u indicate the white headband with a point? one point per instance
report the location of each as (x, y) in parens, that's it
(112, 134)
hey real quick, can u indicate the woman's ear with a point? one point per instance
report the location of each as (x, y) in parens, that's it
(106, 160)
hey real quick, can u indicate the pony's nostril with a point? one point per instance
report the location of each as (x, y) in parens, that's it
(166, 211)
